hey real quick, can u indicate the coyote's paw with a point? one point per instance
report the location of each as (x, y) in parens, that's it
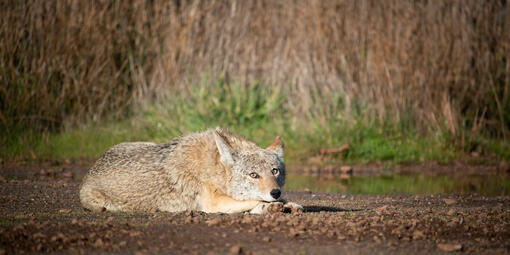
(264, 207)
(291, 207)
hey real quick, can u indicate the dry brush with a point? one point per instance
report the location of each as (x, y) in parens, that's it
(436, 64)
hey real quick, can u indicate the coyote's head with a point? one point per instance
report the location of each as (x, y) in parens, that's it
(257, 174)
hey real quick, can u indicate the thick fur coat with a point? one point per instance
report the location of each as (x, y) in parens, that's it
(211, 171)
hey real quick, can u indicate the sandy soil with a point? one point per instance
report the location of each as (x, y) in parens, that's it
(40, 213)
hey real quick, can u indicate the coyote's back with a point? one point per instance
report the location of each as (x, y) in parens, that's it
(131, 177)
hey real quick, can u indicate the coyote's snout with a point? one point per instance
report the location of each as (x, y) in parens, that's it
(212, 171)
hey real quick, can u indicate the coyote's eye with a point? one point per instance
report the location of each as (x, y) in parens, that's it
(254, 175)
(275, 171)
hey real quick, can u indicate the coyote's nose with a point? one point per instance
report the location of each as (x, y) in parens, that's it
(276, 193)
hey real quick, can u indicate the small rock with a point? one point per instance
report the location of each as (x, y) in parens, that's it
(53, 238)
(236, 249)
(331, 234)
(135, 234)
(451, 212)
(39, 235)
(266, 239)
(449, 247)
(381, 209)
(247, 220)
(504, 167)
(213, 222)
(293, 233)
(68, 174)
(109, 219)
(418, 235)
(98, 243)
(449, 201)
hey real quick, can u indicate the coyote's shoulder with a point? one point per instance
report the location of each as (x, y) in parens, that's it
(212, 171)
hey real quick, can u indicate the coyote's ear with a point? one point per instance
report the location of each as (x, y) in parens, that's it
(277, 147)
(226, 151)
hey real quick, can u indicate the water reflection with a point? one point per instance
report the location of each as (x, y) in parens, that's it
(387, 183)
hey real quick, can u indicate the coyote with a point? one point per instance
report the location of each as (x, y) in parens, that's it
(214, 171)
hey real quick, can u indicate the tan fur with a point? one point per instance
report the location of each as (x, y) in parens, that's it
(207, 171)
(267, 183)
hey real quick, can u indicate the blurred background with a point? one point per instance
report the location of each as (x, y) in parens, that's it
(368, 88)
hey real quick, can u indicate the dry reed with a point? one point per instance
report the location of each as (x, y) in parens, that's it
(437, 64)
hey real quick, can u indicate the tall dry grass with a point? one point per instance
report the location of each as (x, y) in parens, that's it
(75, 60)
(435, 64)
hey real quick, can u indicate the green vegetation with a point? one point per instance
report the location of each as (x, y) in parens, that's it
(402, 184)
(257, 112)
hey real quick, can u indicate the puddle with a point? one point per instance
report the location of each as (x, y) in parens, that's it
(490, 185)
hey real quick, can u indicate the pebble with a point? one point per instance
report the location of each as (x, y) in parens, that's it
(449, 247)
(418, 235)
(236, 249)
(449, 201)
(98, 243)
(213, 222)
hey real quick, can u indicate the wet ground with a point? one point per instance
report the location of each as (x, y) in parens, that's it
(40, 212)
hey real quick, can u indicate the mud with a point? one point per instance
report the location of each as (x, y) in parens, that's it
(40, 213)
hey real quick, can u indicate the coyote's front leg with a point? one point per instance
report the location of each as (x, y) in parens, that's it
(292, 207)
(214, 201)
(265, 207)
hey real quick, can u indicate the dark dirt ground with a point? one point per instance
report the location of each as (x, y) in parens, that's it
(40, 212)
